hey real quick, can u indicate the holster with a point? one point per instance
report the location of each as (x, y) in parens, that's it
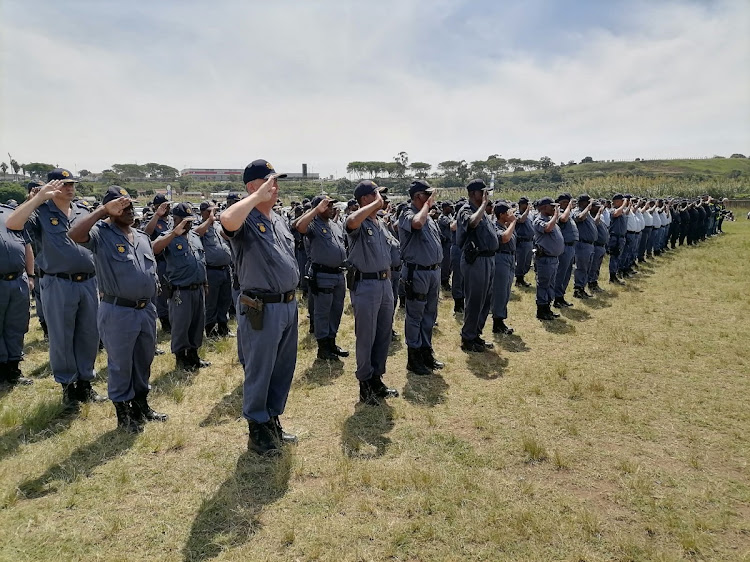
(253, 309)
(351, 279)
(471, 251)
(409, 286)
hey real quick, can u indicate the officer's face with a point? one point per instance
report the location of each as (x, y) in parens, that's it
(127, 217)
(547, 210)
(68, 190)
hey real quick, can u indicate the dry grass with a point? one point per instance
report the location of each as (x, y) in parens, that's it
(617, 433)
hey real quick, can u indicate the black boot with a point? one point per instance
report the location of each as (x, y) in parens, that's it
(125, 419)
(414, 362)
(614, 279)
(324, 350)
(262, 439)
(380, 389)
(458, 305)
(428, 357)
(11, 373)
(86, 392)
(211, 331)
(499, 327)
(223, 329)
(472, 346)
(192, 355)
(402, 302)
(282, 436)
(581, 294)
(142, 412)
(336, 349)
(367, 395)
(44, 330)
(70, 397)
(594, 286)
(312, 325)
(183, 362)
(521, 282)
(166, 327)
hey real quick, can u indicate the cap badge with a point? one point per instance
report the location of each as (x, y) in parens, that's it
(65, 173)
(179, 246)
(261, 227)
(123, 192)
(268, 165)
(121, 248)
(53, 221)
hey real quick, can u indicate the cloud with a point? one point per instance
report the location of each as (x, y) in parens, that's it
(198, 84)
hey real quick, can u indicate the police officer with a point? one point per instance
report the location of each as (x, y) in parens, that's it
(267, 316)
(446, 234)
(36, 290)
(371, 293)
(16, 278)
(600, 246)
(584, 248)
(477, 238)
(569, 231)
(457, 279)
(326, 283)
(421, 254)
(618, 228)
(524, 242)
(549, 244)
(161, 223)
(186, 278)
(128, 281)
(505, 265)
(69, 290)
(218, 272)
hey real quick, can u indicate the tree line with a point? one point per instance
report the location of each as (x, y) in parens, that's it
(117, 173)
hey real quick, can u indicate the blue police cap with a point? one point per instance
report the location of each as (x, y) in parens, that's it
(182, 210)
(61, 174)
(420, 185)
(501, 207)
(617, 196)
(33, 183)
(159, 198)
(233, 196)
(523, 199)
(366, 187)
(476, 185)
(563, 197)
(114, 192)
(257, 170)
(544, 201)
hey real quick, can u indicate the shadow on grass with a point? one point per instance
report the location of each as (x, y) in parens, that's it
(395, 346)
(80, 463)
(558, 326)
(42, 370)
(45, 420)
(486, 365)
(167, 382)
(363, 433)
(575, 314)
(321, 373)
(425, 390)
(512, 343)
(231, 516)
(228, 409)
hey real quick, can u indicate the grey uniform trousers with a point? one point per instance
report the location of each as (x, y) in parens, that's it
(584, 255)
(70, 312)
(329, 304)
(219, 295)
(187, 314)
(372, 301)
(596, 264)
(270, 356)
(546, 270)
(564, 270)
(523, 257)
(129, 336)
(421, 314)
(14, 317)
(616, 247)
(478, 280)
(162, 299)
(445, 265)
(502, 284)
(457, 281)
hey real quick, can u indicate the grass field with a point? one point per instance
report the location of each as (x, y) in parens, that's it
(619, 432)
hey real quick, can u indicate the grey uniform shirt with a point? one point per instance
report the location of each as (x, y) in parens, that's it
(123, 269)
(444, 222)
(484, 233)
(551, 242)
(510, 245)
(586, 227)
(369, 249)
(264, 253)
(419, 246)
(569, 229)
(12, 246)
(524, 229)
(326, 242)
(58, 253)
(186, 263)
(215, 247)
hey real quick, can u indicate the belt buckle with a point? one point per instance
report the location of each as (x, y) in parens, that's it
(78, 277)
(383, 275)
(12, 276)
(141, 304)
(289, 297)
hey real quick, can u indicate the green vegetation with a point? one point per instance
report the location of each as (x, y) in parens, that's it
(620, 432)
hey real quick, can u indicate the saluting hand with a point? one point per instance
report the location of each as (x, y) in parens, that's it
(265, 191)
(182, 228)
(116, 207)
(322, 207)
(163, 209)
(50, 190)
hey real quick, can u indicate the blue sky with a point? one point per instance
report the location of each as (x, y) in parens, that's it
(189, 84)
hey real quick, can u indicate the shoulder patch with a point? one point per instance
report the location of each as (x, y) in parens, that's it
(54, 221)
(120, 248)
(179, 246)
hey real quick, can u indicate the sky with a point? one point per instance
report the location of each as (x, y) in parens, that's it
(90, 83)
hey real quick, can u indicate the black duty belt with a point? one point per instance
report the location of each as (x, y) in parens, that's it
(381, 275)
(586, 242)
(77, 277)
(10, 276)
(271, 298)
(486, 253)
(506, 252)
(632, 232)
(325, 269)
(523, 239)
(218, 267)
(569, 243)
(418, 267)
(140, 303)
(192, 287)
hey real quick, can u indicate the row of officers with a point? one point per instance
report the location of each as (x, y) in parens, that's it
(101, 279)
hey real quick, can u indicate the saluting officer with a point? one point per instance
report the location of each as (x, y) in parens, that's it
(68, 282)
(505, 265)
(161, 223)
(476, 236)
(16, 278)
(569, 231)
(421, 254)
(186, 278)
(549, 244)
(36, 289)
(618, 228)
(371, 293)
(584, 248)
(326, 283)
(600, 246)
(128, 281)
(446, 235)
(267, 315)
(218, 272)
(524, 242)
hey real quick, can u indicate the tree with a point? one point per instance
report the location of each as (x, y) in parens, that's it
(449, 166)
(129, 171)
(737, 155)
(420, 169)
(84, 173)
(545, 162)
(186, 182)
(4, 168)
(587, 160)
(15, 165)
(111, 177)
(402, 161)
(495, 164)
(38, 169)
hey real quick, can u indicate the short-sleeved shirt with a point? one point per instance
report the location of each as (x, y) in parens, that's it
(618, 226)
(569, 229)
(648, 219)
(551, 242)
(444, 223)
(186, 261)
(395, 246)
(656, 219)
(524, 230)
(484, 234)
(419, 246)
(264, 254)
(602, 234)
(215, 248)
(123, 269)
(510, 245)
(163, 225)
(58, 253)
(12, 245)
(369, 246)
(586, 227)
(326, 242)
